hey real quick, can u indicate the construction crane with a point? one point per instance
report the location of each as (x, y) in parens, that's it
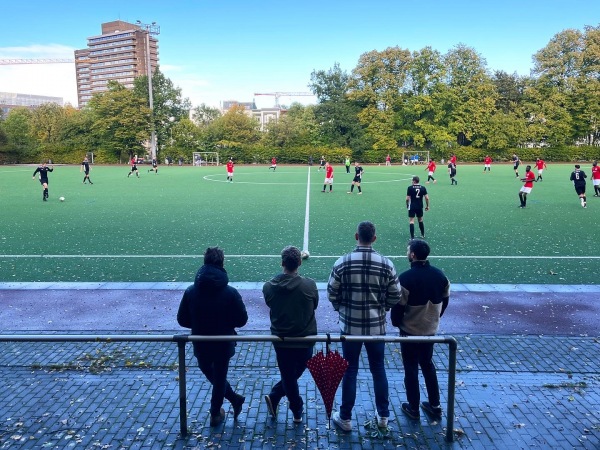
(285, 94)
(9, 62)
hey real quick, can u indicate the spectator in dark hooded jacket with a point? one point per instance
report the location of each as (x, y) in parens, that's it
(211, 307)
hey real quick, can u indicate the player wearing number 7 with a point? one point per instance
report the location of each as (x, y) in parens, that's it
(414, 203)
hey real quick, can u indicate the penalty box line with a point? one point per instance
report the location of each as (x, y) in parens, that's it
(279, 256)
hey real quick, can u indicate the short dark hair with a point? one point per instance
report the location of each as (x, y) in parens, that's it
(416, 179)
(420, 248)
(577, 166)
(291, 258)
(528, 168)
(366, 232)
(214, 256)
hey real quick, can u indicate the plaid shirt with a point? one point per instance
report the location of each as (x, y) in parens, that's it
(363, 285)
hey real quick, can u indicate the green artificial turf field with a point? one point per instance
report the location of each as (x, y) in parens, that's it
(156, 228)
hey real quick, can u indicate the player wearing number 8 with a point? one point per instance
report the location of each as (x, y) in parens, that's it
(414, 203)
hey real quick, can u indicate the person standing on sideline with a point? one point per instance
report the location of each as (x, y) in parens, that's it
(527, 187)
(487, 164)
(388, 160)
(425, 296)
(322, 163)
(85, 167)
(578, 177)
(540, 164)
(452, 173)
(431, 169)
(328, 177)
(43, 170)
(211, 307)
(347, 164)
(134, 168)
(154, 166)
(362, 286)
(596, 178)
(358, 172)
(273, 164)
(230, 170)
(516, 161)
(292, 301)
(414, 203)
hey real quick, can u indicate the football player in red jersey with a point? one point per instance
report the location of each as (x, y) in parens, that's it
(527, 187)
(273, 164)
(540, 164)
(487, 164)
(431, 170)
(596, 178)
(230, 170)
(328, 177)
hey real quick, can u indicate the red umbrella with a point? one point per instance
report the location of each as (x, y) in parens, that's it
(327, 370)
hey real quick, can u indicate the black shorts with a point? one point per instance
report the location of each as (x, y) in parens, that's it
(580, 189)
(43, 180)
(452, 173)
(516, 165)
(87, 172)
(415, 212)
(134, 167)
(356, 180)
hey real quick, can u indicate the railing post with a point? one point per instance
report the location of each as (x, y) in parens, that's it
(452, 346)
(181, 341)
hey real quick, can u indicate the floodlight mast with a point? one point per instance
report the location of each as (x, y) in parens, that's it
(154, 30)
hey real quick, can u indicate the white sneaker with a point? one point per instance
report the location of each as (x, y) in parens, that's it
(382, 422)
(345, 425)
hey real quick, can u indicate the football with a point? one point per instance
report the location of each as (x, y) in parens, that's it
(304, 254)
(62, 199)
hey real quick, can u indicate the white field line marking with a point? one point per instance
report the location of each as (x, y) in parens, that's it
(306, 214)
(279, 256)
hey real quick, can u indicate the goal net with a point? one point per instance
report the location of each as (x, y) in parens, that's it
(205, 158)
(412, 157)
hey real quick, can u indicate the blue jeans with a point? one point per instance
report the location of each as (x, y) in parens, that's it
(375, 354)
(292, 364)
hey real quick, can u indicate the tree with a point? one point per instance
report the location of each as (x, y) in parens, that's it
(296, 128)
(167, 102)
(121, 120)
(335, 113)
(377, 82)
(204, 115)
(233, 131)
(19, 140)
(471, 97)
(47, 121)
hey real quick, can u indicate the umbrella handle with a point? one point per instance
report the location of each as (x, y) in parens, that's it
(328, 342)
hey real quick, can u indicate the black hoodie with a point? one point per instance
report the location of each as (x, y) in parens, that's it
(211, 307)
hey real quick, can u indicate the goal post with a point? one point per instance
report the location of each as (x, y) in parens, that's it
(413, 157)
(205, 158)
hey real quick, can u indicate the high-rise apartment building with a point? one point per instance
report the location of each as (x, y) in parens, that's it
(120, 53)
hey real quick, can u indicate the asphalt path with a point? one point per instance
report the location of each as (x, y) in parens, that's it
(155, 310)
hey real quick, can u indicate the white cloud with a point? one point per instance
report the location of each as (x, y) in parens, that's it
(56, 80)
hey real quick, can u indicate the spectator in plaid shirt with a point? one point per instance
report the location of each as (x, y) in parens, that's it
(363, 285)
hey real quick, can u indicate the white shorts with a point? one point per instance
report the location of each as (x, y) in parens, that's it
(229, 174)
(596, 181)
(488, 166)
(540, 171)
(329, 180)
(430, 173)
(525, 190)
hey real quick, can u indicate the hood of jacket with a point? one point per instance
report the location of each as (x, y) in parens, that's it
(210, 277)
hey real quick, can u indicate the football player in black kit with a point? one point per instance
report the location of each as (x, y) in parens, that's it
(414, 203)
(85, 166)
(358, 171)
(154, 166)
(43, 171)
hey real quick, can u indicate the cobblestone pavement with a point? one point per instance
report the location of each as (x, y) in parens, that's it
(517, 391)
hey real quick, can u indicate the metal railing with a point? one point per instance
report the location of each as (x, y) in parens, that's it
(182, 339)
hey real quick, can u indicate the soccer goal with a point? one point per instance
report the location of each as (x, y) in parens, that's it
(413, 157)
(205, 158)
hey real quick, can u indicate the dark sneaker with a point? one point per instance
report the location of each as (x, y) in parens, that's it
(433, 411)
(237, 404)
(298, 417)
(218, 419)
(412, 413)
(271, 407)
